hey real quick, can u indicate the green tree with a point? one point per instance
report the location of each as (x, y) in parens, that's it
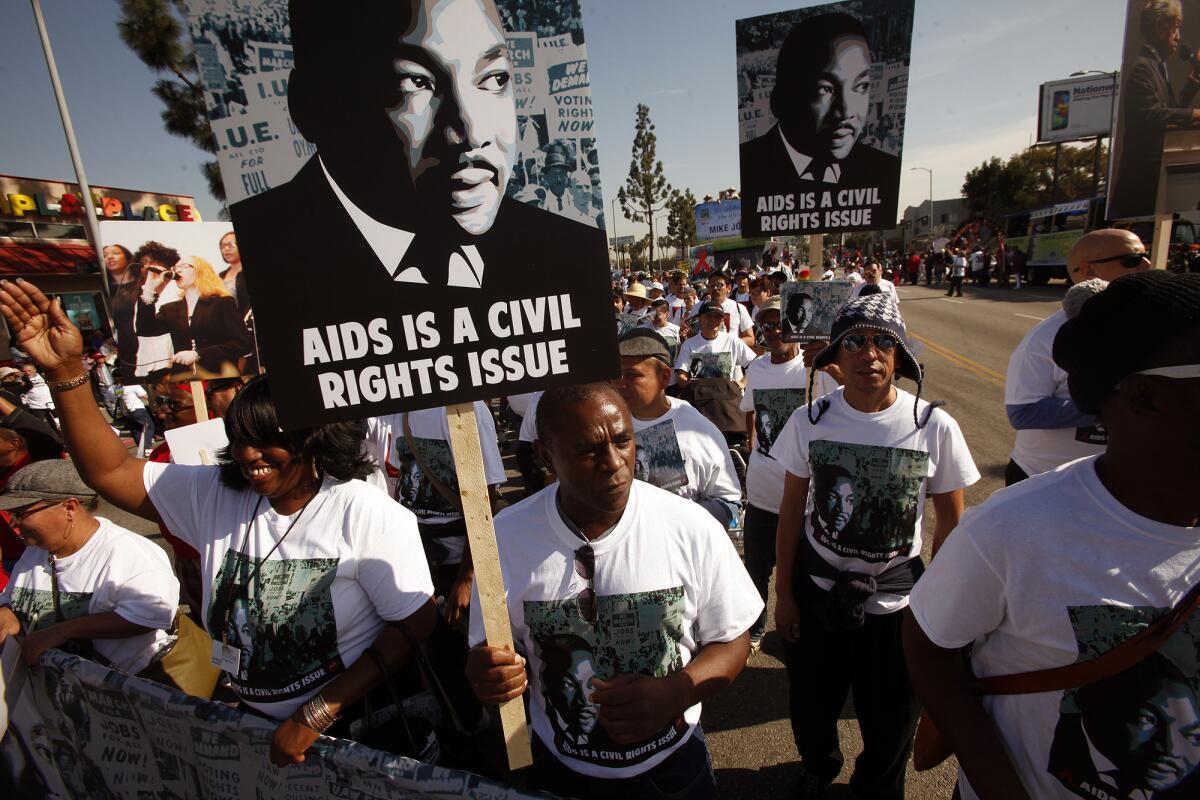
(1026, 180)
(681, 220)
(646, 191)
(153, 30)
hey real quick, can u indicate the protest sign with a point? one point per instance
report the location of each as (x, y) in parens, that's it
(162, 335)
(808, 308)
(718, 220)
(1157, 92)
(197, 444)
(396, 263)
(80, 730)
(831, 165)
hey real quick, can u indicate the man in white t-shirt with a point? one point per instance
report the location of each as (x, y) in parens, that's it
(872, 276)
(776, 385)
(678, 449)
(629, 606)
(735, 318)
(958, 271)
(674, 298)
(1070, 564)
(1051, 430)
(712, 353)
(133, 400)
(658, 320)
(860, 463)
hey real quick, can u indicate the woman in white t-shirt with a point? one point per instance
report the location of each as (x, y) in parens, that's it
(1067, 565)
(305, 569)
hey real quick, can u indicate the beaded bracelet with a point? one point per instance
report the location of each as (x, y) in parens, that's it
(69, 383)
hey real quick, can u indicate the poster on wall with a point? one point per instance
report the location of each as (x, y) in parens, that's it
(179, 301)
(434, 235)
(822, 93)
(1160, 75)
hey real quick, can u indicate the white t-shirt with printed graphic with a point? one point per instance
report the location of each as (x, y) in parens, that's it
(667, 582)
(684, 444)
(773, 392)
(351, 561)
(1033, 376)
(866, 499)
(1055, 570)
(725, 352)
(116, 570)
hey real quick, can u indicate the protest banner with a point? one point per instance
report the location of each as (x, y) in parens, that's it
(398, 263)
(1160, 74)
(832, 164)
(808, 308)
(437, 239)
(159, 336)
(719, 219)
(77, 729)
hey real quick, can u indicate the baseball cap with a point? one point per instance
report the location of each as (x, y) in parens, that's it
(708, 306)
(645, 343)
(6, 371)
(656, 285)
(772, 303)
(54, 480)
(659, 301)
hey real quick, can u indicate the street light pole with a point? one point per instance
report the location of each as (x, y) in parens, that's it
(930, 171)
(616, 238)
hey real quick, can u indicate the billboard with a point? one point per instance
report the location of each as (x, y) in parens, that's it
(1076, 108)
(831, 165)
(404, 219)
(1157, 92)
(720, 219)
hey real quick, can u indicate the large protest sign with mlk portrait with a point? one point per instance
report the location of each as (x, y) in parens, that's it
(179, 301)
(431, 233)
(1160, 75)
(821, 105)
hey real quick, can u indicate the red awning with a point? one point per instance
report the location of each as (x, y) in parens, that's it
(45, 258)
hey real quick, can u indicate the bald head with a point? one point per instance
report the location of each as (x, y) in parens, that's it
(1093, 255)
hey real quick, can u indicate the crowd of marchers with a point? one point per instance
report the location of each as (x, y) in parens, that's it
(1049, 643)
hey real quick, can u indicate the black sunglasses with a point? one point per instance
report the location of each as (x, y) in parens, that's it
(585, 567)
(1127, 260)
(769, 327)
(884, 342)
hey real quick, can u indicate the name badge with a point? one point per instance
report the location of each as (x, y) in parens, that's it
(225, 657)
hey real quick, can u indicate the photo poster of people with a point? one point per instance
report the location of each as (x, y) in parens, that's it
(1109, 738)
(78, 730)
(809, 308)
(179, 301)
(637, 633)
(1157, 90)
(772, 409)
(865, 498)
(407, 225)
(658, 460)
(711, 365)
(822, 93)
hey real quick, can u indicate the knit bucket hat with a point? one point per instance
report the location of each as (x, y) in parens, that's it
(876, 312)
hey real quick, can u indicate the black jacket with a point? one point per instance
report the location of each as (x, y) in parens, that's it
(216, 331)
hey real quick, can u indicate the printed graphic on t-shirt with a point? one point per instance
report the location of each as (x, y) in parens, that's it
(659, 460)
(282, 623)
(711, 365)
(672, 343)
(1134, 736)
(632, 633)
(1092, 434)
(38, 604)
(414, 490)
(865, 498)
(772, 408)
(627, 322)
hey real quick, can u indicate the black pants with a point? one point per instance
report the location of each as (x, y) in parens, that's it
(823, 667)
(1013, 473)
(955, 285)
(758, 531)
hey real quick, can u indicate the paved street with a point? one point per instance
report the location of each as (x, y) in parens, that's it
(966, 344)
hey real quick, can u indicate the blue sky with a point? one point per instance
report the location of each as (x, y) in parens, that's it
(976, 67)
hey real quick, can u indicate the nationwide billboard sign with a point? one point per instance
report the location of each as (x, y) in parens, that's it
(1076, 108)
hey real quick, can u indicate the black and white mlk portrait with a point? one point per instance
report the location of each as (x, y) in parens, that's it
(407, 263)
(821, 107)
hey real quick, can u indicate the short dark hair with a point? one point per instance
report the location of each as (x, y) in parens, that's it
(159, 253)
(804, 52)
(336, 448)
(555, 403)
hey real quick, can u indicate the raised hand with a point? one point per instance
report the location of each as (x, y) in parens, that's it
(41, 327)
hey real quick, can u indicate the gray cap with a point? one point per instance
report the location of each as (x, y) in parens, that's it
(645, 343)
(54, 480)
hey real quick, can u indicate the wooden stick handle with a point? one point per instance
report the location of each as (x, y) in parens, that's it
(489, 581)
(816, 250)
(199, 400)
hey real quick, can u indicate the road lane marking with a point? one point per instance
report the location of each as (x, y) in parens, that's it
(956, 302)
(1028, 316)
(987, 373)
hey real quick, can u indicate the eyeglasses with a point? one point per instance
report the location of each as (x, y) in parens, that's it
(18, 515)
(1179, 372)
(585, 567)
(768, 327)
(1127, 260)
(884, 342)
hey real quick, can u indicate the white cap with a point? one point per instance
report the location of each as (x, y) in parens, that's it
(656, 285)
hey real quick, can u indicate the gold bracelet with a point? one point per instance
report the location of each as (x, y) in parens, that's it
(69, 383)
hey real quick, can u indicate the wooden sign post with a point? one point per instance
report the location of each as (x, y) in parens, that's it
(816, 251)
(489, 581)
